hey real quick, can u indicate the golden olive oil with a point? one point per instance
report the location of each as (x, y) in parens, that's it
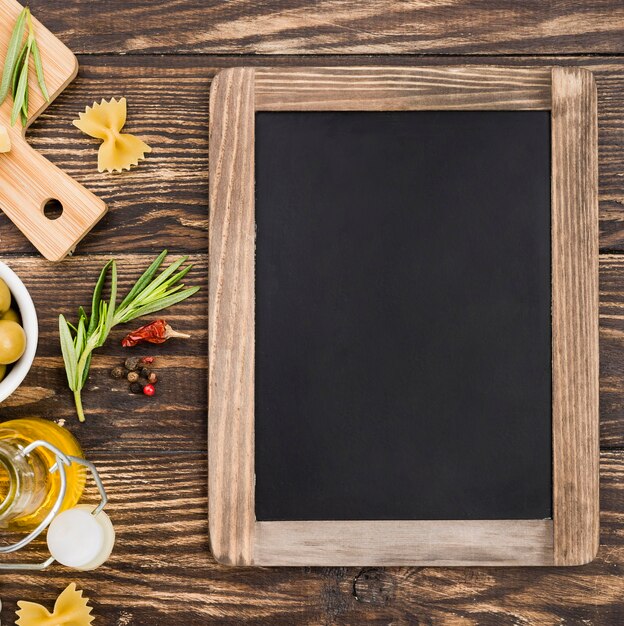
(28, 490)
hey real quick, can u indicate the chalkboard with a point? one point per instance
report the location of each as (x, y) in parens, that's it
(403, 316)
(403, 343)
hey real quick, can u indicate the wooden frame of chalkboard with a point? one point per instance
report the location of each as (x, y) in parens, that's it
(571, 536)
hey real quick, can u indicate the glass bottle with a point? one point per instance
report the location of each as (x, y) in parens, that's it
(28, 489)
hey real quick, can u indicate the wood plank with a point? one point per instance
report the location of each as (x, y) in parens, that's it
(174, 419)
(338, 26)
(231, 317)
(162, 202)
(401, 89)
(430, 543)
(182, 394)
(611, 351)
(575, 315)
(161, 572)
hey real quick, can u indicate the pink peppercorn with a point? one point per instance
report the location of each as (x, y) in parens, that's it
(149, 390)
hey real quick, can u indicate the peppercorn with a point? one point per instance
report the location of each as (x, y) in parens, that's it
(133, 377)
(136, 388)
(145, 372)
(152, 378)
(118, 372)
(149, 390)
(132, 363)
(148, 360)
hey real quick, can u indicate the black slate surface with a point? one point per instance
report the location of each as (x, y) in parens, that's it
(403, 315)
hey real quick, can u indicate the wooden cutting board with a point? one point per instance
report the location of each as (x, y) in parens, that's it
(28, 180)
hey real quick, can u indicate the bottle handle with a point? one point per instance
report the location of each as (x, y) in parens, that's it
(62, 461)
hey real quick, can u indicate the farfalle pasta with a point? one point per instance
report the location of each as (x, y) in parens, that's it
(104, 121)
(70, 609)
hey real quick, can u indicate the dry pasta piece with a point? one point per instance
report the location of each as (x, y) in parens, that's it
(70, 609)
(104, 121)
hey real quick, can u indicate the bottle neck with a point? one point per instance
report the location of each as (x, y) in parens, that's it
(23, 482)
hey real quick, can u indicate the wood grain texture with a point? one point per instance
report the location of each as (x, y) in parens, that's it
(231, 315)
(338, 26)
(27, 179)
(161, 572)
(117, 421)
(183, 363)
(163, 201)
(575, 316)
(401, 89)
(428, 543)
(611, 351)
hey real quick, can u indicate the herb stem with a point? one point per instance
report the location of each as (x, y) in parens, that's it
(78, 403)
(151, 293)
(16, 67)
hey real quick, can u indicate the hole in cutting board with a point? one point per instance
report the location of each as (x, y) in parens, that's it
(53, 209)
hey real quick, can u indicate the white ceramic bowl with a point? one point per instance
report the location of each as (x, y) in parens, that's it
(24, 302)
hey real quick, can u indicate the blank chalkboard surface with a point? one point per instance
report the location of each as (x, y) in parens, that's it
(403, 358)
(403, 316)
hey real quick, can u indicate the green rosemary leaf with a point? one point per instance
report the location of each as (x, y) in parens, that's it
(22, 86)
(163, 290)
(145, 279)
(80, 336)
(101, 329)
(39, 70)
(85, 371)
(25, 103)
(169, 290)
(69, 352)
(17, 69)
(95, 301)
(163, 303)
(139, 310)
(110, 313)
(12, 54)
(143, 296)
(179, 276)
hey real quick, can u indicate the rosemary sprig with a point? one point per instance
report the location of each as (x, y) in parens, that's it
(149, 294)
(15, 44)
(16, 67)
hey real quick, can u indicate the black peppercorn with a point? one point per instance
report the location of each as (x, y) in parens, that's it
(145, 372)
(136, 388)
(132, 363)
(118, 372)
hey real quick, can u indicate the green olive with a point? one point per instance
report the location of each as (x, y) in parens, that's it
(12, 341)
(11, 315)
(5, 297)
(3, 369)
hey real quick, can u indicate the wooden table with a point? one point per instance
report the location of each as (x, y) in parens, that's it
(152, 452)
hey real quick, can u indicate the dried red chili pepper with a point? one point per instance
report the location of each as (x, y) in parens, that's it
(156, 332)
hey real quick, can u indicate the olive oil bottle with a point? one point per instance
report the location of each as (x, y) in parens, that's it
(28, 489)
